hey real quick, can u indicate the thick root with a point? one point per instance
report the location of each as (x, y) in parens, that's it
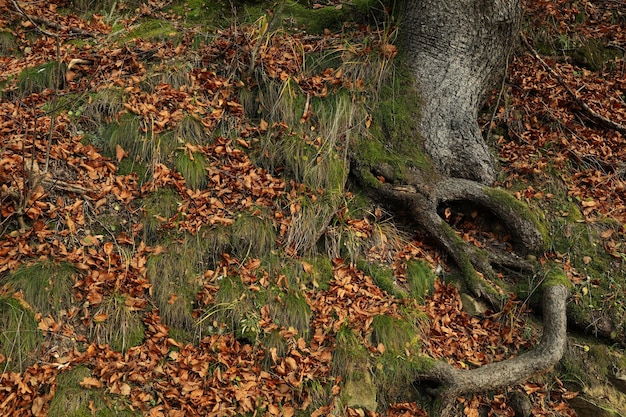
(452, 382)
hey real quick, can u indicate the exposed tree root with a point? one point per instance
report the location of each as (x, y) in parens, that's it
(475, 264)
(452, 382)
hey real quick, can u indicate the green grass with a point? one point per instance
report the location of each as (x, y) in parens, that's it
(72, 400)
(20, 339)
(116, 324)
(50, 75)
(152, 29)
(47, 286)
(291, 310)
(236, 307)
(253, 235)
(193, 168)
(349, 356)
(174, 276)
(159, 206)
(8, 46)
(102, 108)
(420, 279)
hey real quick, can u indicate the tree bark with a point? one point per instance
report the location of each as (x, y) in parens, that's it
(456, 49)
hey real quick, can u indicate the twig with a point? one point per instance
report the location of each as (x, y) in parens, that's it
(592, 113)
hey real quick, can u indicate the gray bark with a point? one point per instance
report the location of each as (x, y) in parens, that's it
(457, 49)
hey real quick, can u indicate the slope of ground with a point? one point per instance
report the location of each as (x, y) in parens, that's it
(178, 233)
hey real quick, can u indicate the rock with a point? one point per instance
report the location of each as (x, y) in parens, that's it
(361, 391)
(520, 403)
(472, 306)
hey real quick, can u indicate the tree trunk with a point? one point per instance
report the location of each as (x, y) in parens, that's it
(457, 49)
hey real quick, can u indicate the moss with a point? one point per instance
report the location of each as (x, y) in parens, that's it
(117, 324)
(152, 29)
(555, 275)
(330, 17)
(46, 286)
(20, 339)
(395, 141)
(207, 12)
(34, 80)
(522, 210)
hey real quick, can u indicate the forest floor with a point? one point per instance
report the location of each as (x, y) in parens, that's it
(180, 236)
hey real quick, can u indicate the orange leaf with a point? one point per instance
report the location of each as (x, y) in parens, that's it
(90, 382)
(120, 153)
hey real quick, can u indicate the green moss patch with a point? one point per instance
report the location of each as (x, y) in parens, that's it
(152, 29)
